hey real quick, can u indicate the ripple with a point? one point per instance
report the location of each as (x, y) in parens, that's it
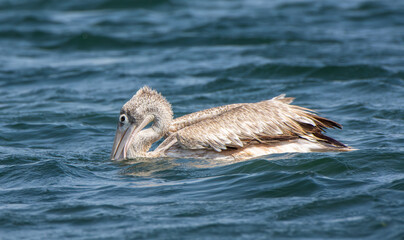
(79, 5)
(293, 71)
(67, 67)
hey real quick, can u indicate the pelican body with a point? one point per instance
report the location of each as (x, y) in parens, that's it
(236, 131)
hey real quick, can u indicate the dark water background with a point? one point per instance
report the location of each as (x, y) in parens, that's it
(66, 68)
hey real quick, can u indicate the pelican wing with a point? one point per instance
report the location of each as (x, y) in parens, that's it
(243, 124)
(192, 118)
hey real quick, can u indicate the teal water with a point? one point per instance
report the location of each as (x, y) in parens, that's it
(67, 67)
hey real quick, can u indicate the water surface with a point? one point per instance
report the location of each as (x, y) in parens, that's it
(67, 67)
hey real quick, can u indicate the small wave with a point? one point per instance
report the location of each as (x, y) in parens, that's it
(320, 72)
(397, 185)
(33, 35)
(89, 41)
(349, 72)
(81, 5)
(40, 173)
(326, 205)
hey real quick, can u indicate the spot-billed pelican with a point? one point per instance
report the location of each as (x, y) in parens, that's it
(235, 131)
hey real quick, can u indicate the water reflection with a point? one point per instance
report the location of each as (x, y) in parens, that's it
(151, 167)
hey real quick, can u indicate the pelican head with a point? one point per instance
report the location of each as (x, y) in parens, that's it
(131, 139)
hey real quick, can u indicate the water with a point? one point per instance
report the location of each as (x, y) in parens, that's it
(67, 67)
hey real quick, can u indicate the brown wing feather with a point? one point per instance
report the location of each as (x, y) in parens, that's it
(241, 124)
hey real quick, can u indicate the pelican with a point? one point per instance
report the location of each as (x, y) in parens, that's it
(235, 131)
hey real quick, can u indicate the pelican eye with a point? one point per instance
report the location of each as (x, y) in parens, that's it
(122, 118)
